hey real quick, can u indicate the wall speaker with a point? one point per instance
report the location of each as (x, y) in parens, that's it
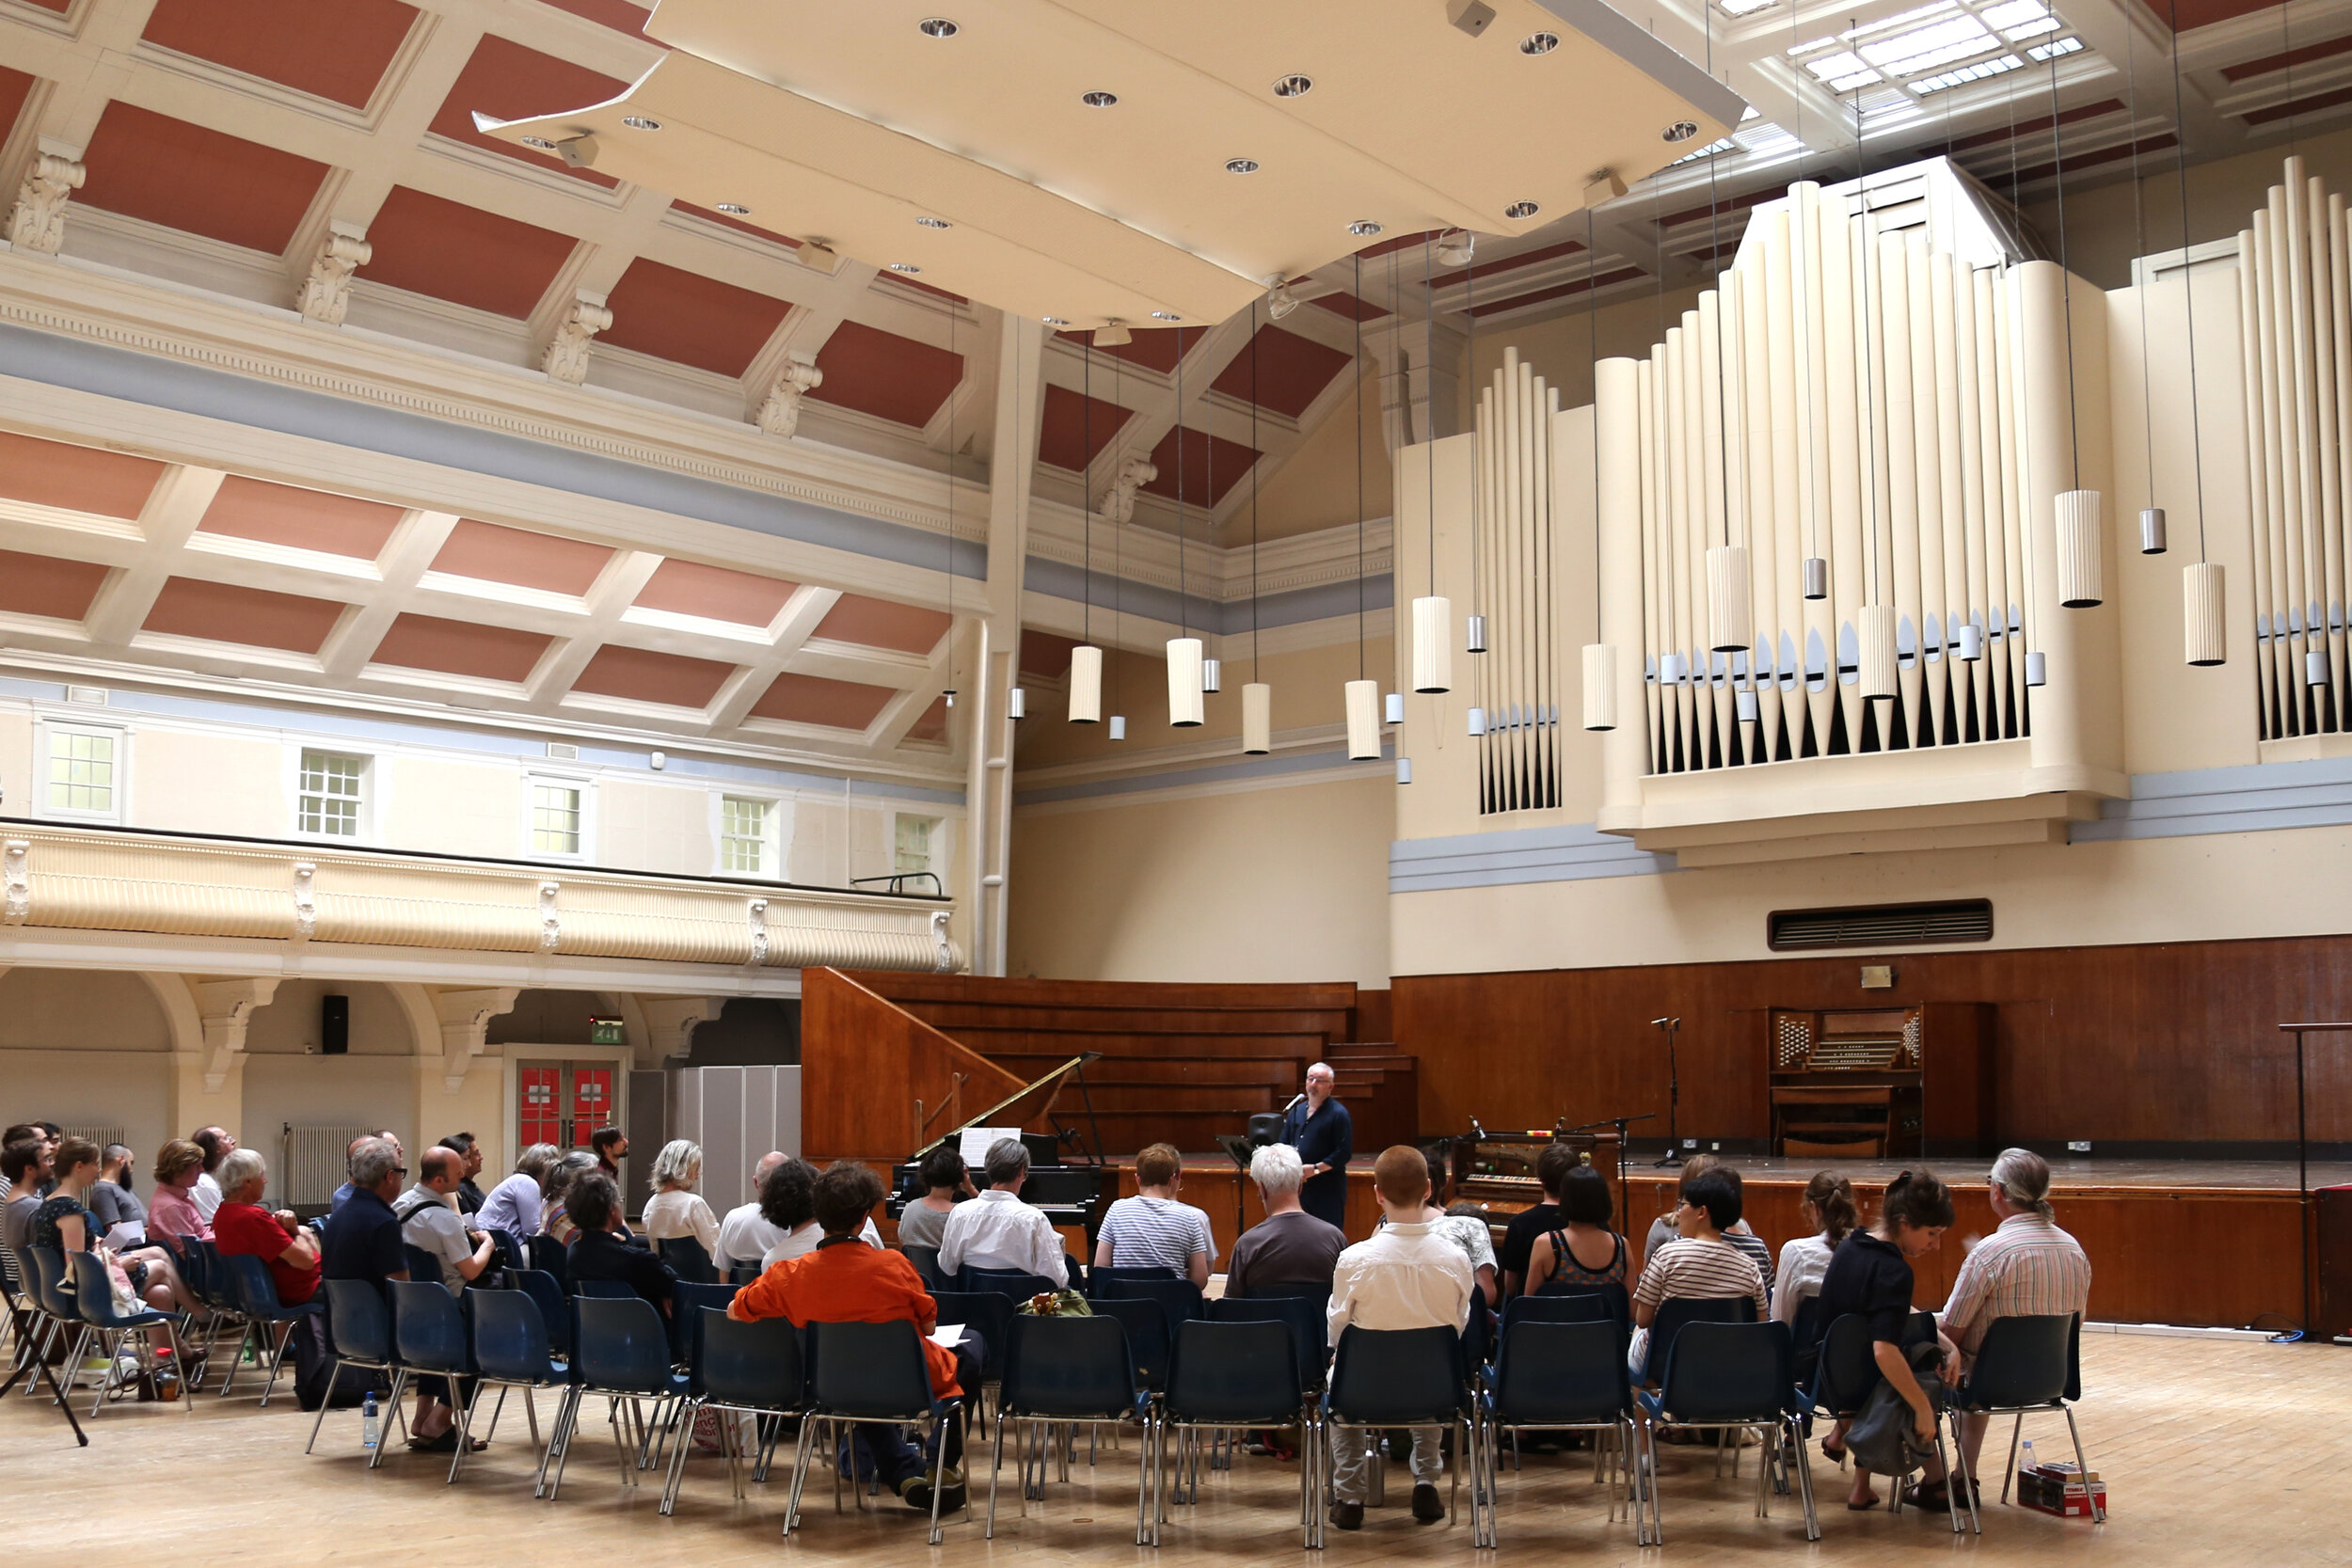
(334, 1025)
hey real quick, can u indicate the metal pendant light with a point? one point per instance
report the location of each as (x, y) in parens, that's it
(1673, 669)
(1361, 696)
(1393, 709)
(2204, 614)
(1118, 726)
(1477, 723)
(1815, 577)
(1257, 718)
(1474, 636)
(2081, 582)
(1017, 705)
(1969, 645)
(1257, 697)
(2205, 608)
(1600, 686)
(1405, 770)
(2152, 537)
(2315, 667)
(2037, 668)
(1363, 720)
(1212, 674)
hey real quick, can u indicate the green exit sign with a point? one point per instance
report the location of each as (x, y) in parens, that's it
(606, 1031)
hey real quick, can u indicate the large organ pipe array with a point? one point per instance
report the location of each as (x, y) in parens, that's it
(1520, 674)
(2294, 304)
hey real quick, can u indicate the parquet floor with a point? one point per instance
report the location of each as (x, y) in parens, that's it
(2215, 1452)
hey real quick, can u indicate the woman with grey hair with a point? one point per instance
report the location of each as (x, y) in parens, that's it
(513, 1205)
(242, 1226)
(676, 1208)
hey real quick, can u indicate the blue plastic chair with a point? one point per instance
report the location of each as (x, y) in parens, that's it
(555, 1309)
(1103, 1274)
(1307, 1320)
(510, 1351)
(94, 1300)
(1017, 1283)
(1676, 1312)
(1225, 1374)
(1731, 1374)
(742, 1369)
(926, 1262)
(620, 1350)
(1406, 1377)
(429, 1330)
(256, 1297)
(870, 1374)
(1585, 1307)
(45, 1284)
(1068, 1371)
(605, 1289)
(1147, 1336)
(2026, 1366)
(359, 1331)
(1612, 1296)
(1558, 1375)
(1180, 1299)
(989, 1315)
(209, 1281)
(686, 1260)
(686, 1320)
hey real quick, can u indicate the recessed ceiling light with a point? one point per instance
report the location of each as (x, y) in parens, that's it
(1539, 44)
(938, 27)
(928, 222)
(1293, 87)
(1521, 210)
(1363, 229)
(908, 267)
(1053, 321)
(540, 142)
(735, 208)
(638, 122)
(1098, 98)
(1681, 130)
(1166, 316)
(1241, 166)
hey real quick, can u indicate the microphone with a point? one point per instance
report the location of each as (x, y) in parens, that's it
(1294, 1100)
(1662, 1023)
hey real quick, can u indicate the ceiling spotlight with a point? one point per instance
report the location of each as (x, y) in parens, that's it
(1457, 247)
(541, 143)
(1166, 316)
(934, 223)
(735, 208)
(1539, 44)
(1113, 334)
(1681, 130)
(1280, 301)
(937, 28)
(1293, 87)
(1521, 210)
(907, 267)
(1098, 100)
(1363, 229)
(1053, 321)
(1241, 166)
(638, 122)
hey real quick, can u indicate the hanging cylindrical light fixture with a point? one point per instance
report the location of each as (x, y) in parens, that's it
(1118, 726)
(1477, 723)
(2203, 615)
(1405, 770)
(2080, 581)
(1363, 720)
(1971, 644)
(1878, 653)
(1257, 718)
(2152, 538)
(1184, 707)
(1672, 669)
(1815, 577)
(1393, 709)
(1600, 686)
(1433, 647)
(1730, 601)
(1086, 685)
(2315, 667)
(2037, 668)
(1746, 704)
(1212, 674)
(1474, 640)
(1017, 706)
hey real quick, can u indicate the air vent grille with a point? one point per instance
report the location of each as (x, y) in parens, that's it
(1880, 925)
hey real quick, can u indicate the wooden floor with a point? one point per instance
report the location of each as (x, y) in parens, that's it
(2215, 1452)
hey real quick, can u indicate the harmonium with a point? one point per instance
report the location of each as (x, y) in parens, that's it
(1497, 1170)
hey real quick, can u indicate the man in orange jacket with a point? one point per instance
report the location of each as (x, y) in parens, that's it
(845, 1281)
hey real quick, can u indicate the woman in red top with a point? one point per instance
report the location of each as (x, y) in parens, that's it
(242, 1225)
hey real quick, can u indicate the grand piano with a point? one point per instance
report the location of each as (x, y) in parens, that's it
(1075, 1188)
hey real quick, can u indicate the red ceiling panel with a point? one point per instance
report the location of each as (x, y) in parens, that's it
(57, 6)
(228, 613)
(304, 519)
(44, 585)
(455, 252)
(1155, 348)
(1046, 653)
(644, 676)
(1347, 307)
(1075, 427)
(2193, 14)
(933, 724)
(879, 624)
(1290, 371)
(14, 85)
(798, 699)
(714, 592)
(1506, 263)
(883, 374)
(507, 81)
(697, 321)
(147, 165)
(337, 52)
(617, 14)
(1212, 465)
(2303, 55)
(80, 479)
(730, 221)
(490, 553)
(461, 648)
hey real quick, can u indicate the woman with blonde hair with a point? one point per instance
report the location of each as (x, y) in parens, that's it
(675, 1210)
(1828, 1212)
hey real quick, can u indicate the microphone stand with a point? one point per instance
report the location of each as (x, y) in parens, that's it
(1620, 1123)
(1674, 1096)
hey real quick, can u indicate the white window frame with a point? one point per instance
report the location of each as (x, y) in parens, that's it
(371, 785)
(586, 785)
(778, 831)
(940, 844)
(47, 731)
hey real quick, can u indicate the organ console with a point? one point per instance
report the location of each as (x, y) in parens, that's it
(1892, 1083)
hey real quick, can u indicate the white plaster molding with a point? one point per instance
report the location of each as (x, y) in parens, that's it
(567, 359)
(1118, 501)
(465, 1018)
(756, 916)
(304, 900)
(325, 292)
(20, 891)
(779, 412)
(36, 222)
(670, 1022)
(551, 919)
(226, 1008)
(946, 962)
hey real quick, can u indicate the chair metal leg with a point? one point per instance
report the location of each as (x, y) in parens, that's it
(2009, 1471)
(939, 1478)
(1802, 1464)
(567, 1428)
(333, 1372)
(400, 1381)
(2082, 1467)
(464, 1406)
(1962, 1475)
(690, 1411)
(497, 1410)
(278, 1361)
(1943, 1460)
(996, 1467)
(799, 1472)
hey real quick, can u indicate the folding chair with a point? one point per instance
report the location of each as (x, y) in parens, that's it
(1729, 1374)
(1061, 1373)
(1236, 1374)
(1553, 1374)
(2026, 1365)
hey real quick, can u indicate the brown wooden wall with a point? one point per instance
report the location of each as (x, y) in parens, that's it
(864, 1065)
(2172, 1044)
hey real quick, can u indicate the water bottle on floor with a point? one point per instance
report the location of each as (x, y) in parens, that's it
(2027, 1464)
(371, 1424)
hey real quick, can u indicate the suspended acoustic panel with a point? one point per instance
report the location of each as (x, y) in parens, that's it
(1518, 756)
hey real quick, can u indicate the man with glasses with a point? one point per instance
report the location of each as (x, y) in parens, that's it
(363, 1240)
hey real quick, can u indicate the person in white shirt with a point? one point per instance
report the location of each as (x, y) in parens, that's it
(676, 1211)
(744, 1235)
(1408, 1276)
(430, 1222)
(997, 1230)
(787, 1208)
(1828, 1208)
(217, 1142)
(1152, 1231)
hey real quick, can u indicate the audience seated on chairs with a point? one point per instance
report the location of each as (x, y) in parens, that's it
(513, 1206)
(112, 1197)
(171, 1214)
(944, 1179)
(430, 1222)
(1536, 1220)
(63, 1221)
(1470, 1232)
(363, 1240)
(217, 1142)
(1408, 1276)
(469, 1195)
(555, 1221)
(1152, 1231)
(842, 1282)
(787, 1204)
(1662, 1230)
(1870, 1276)
(1584, 1250)
(602, 1246)
(26, 1164)
(343, 1194)
(2026, 1268)
(611, 1146)
(745, 1235)
(1289, 1246)
(997, 1230)
(242, 1226)
(1827, 1208)
(1700, 1264)
(676, 1209)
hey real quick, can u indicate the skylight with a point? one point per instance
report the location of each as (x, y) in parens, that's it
(1931, 48)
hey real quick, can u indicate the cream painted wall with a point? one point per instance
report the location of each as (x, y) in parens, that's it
(452, 807)
(1315, 489)
(194, 782)
(656, 826)
(16, 762)
(85, 1050)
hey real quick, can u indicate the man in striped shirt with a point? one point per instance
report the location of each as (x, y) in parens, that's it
(2026, 1268)
(1701, 1263)
(1152, 1231)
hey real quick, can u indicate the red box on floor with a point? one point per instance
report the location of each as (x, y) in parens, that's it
(2056, 1489)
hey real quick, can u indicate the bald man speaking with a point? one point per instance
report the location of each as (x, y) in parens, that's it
(1318, 1127)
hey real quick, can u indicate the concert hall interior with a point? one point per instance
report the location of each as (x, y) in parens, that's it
(1467, 770)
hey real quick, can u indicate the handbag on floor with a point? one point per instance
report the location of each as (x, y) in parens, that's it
(1885, 1439)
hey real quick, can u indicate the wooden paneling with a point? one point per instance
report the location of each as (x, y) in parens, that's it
(865, 1063)
(2173, 1043)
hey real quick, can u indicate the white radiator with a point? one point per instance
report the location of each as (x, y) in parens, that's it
(102, 1136)
(312, 1164)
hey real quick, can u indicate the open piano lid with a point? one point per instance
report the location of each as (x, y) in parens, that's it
(1032, 1102)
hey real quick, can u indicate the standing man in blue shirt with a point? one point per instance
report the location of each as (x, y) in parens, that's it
(1318, 1127)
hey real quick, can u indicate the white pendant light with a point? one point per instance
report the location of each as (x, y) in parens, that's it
(1815, 577)
(1118, 726)
(1746, 703)
(1403, 770)
(1878, 653)
(1393, 709)
(1212, 674)
(2315, 667)
(1184, 707)
(1672, 668)
(1433, 646)
(1086, 685)
(2151, 538)
(1363, 720)
(1017, 706)
(1477, 723)
(2037, 668)
(1971, 642)
(1257, 718)
(2204, 614)
(1730, 600)
(1474, 638)
(1600, 686)
(2079, 577)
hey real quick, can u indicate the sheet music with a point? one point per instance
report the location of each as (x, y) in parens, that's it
(977, 1141)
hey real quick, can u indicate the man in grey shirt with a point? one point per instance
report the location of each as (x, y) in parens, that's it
(1290, 1246)
(430, 1222)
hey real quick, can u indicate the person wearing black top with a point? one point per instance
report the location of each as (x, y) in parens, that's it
(1518, 1238)
(1870, 1277)
(602, 1248)
(1319, 1129)
(468, 1195)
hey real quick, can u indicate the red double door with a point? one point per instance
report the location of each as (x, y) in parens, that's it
(564, 1103)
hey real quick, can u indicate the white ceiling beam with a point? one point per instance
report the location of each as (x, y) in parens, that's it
(173, 509)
